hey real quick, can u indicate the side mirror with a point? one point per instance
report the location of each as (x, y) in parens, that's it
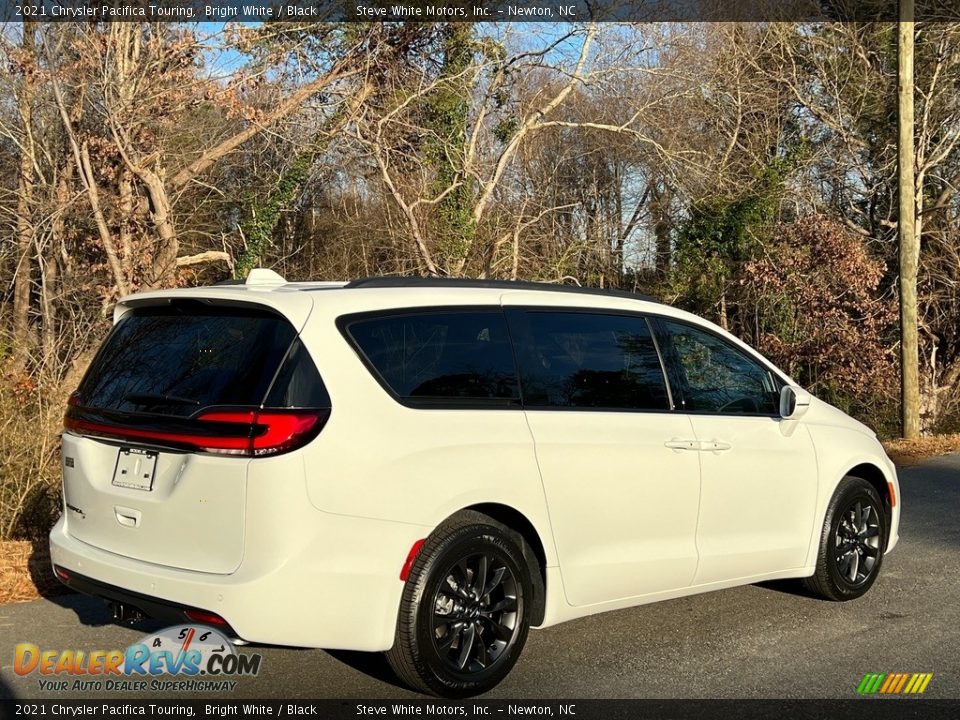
(794, 401)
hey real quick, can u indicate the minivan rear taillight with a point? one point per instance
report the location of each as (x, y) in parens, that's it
(246, 433)
(268, 432)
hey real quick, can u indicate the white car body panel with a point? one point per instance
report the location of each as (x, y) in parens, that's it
(757, 496)
(621, 530)
(180, 523)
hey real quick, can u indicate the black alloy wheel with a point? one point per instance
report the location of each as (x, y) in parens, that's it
(857, 541)
(475, 612)
(464, 613)
(852, 542)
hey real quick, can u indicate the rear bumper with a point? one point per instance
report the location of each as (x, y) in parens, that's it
(340, 590)
(149, 606)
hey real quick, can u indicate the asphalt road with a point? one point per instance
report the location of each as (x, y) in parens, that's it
(750, 642)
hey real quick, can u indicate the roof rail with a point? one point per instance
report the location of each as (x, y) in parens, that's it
(425, 282)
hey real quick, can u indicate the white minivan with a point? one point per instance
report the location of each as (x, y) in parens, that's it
(429, 467)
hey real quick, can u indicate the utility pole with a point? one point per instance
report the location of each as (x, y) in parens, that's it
(907, 228)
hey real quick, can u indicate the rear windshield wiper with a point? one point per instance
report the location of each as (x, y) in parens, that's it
(155, 398)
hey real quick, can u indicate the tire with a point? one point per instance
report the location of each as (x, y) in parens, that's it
(455, 639)
(852, 542)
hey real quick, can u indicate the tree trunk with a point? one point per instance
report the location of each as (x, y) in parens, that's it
(49, 277)
(23, 275)
(909, 242)
(93, 195)
(161, 274)
(662, 227)
(49, 259)
(125, 221)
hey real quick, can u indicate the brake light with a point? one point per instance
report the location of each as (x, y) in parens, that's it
(268, 432)
(246, 433)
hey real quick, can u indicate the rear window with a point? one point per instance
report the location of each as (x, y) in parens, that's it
(440, 357)
(179, 359)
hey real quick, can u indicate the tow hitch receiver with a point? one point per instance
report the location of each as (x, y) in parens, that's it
(124, 613)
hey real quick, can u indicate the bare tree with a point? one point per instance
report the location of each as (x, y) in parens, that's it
(25, 210)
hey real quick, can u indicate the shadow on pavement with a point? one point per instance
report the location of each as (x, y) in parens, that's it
(6, 692)
(373, 665)
(788, 587)
(41, 572)
(94, 612)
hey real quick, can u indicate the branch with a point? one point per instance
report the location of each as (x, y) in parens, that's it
(531, 122)
(210, 256)
(294, 101)
(406, 209)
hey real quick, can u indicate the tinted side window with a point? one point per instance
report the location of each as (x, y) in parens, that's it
(719, 378)
(440, 355)
(584, 360)
(298, 384)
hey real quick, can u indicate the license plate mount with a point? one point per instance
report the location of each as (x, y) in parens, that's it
(135, 469)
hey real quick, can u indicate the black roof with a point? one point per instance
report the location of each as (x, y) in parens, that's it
(442, 282)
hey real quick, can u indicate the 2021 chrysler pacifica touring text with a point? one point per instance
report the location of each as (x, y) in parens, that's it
(430, 467)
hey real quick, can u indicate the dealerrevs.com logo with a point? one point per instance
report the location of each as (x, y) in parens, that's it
(201, 658)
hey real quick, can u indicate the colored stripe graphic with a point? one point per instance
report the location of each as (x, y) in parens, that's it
(903, 681)
(894, 683)
(870, 683)
(890, 682)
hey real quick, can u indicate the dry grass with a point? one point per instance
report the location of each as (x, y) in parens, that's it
(911, 452)
(25, 572)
